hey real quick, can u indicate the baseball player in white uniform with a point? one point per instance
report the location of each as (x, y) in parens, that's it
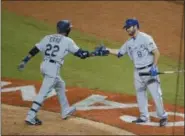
(54, 48)
(144, 53)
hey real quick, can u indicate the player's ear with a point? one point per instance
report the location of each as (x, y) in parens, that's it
(68, 31)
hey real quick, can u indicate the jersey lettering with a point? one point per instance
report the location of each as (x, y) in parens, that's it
(55, 39)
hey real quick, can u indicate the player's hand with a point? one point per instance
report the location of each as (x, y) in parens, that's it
(85, 54)
(21, 66)
(100, 51)
(153, 70)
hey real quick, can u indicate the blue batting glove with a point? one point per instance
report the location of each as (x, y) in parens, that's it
(153, 70)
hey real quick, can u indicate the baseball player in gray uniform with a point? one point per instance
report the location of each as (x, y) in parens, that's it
(54, 48)
(144, 53)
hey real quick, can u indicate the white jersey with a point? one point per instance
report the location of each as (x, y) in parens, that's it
(139, 49)
(56, 47)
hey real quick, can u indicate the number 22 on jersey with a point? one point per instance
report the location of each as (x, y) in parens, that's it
(51, 50)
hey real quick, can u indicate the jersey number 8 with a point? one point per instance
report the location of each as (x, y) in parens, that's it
(51, 50)
(139, 54)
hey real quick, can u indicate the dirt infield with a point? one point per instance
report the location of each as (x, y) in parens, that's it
(109, 108)
(161, 19)
(72, 126)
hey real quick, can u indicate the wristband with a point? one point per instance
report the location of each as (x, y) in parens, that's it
(119, 55)
(26, 59)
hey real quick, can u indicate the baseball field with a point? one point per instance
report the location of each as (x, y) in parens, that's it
(104, 82)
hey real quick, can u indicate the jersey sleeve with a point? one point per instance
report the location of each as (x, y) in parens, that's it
(72, 47)
(123, 49)
(42, 44)
(151, 45)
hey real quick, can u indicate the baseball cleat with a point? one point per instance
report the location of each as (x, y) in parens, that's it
(68, 112)
(163, 122)
(139, 120)
(35, 121)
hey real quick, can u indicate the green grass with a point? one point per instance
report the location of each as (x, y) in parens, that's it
(19, 35)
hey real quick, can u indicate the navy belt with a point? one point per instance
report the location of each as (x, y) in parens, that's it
(144, 67)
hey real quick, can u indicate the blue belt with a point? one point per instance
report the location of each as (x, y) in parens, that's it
(144, 67)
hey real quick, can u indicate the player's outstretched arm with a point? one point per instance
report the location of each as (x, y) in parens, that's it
(113, 51)
(31, 53)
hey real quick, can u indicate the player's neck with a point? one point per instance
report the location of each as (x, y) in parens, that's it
(135, 35)
(63, 34)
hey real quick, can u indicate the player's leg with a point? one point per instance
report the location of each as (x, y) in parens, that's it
(66, 110)
(155, 90)
(142, 99)
(60, 90)
(46, 87)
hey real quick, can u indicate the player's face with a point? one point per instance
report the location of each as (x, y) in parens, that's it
(131, 30)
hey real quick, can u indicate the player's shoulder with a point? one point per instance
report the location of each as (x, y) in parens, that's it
(126, 43)
(59, 35)
(145, 35)
(129, 40)
(52, 35)
(68, 38)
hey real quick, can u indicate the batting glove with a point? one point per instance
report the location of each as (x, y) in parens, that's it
(101, 51)
(21, 66)
(153, 70)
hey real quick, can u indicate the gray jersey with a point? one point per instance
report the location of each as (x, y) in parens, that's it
(56, 47)
(53, 47)
(139, 49)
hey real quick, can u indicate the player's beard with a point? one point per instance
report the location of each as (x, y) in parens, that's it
(131, 31)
